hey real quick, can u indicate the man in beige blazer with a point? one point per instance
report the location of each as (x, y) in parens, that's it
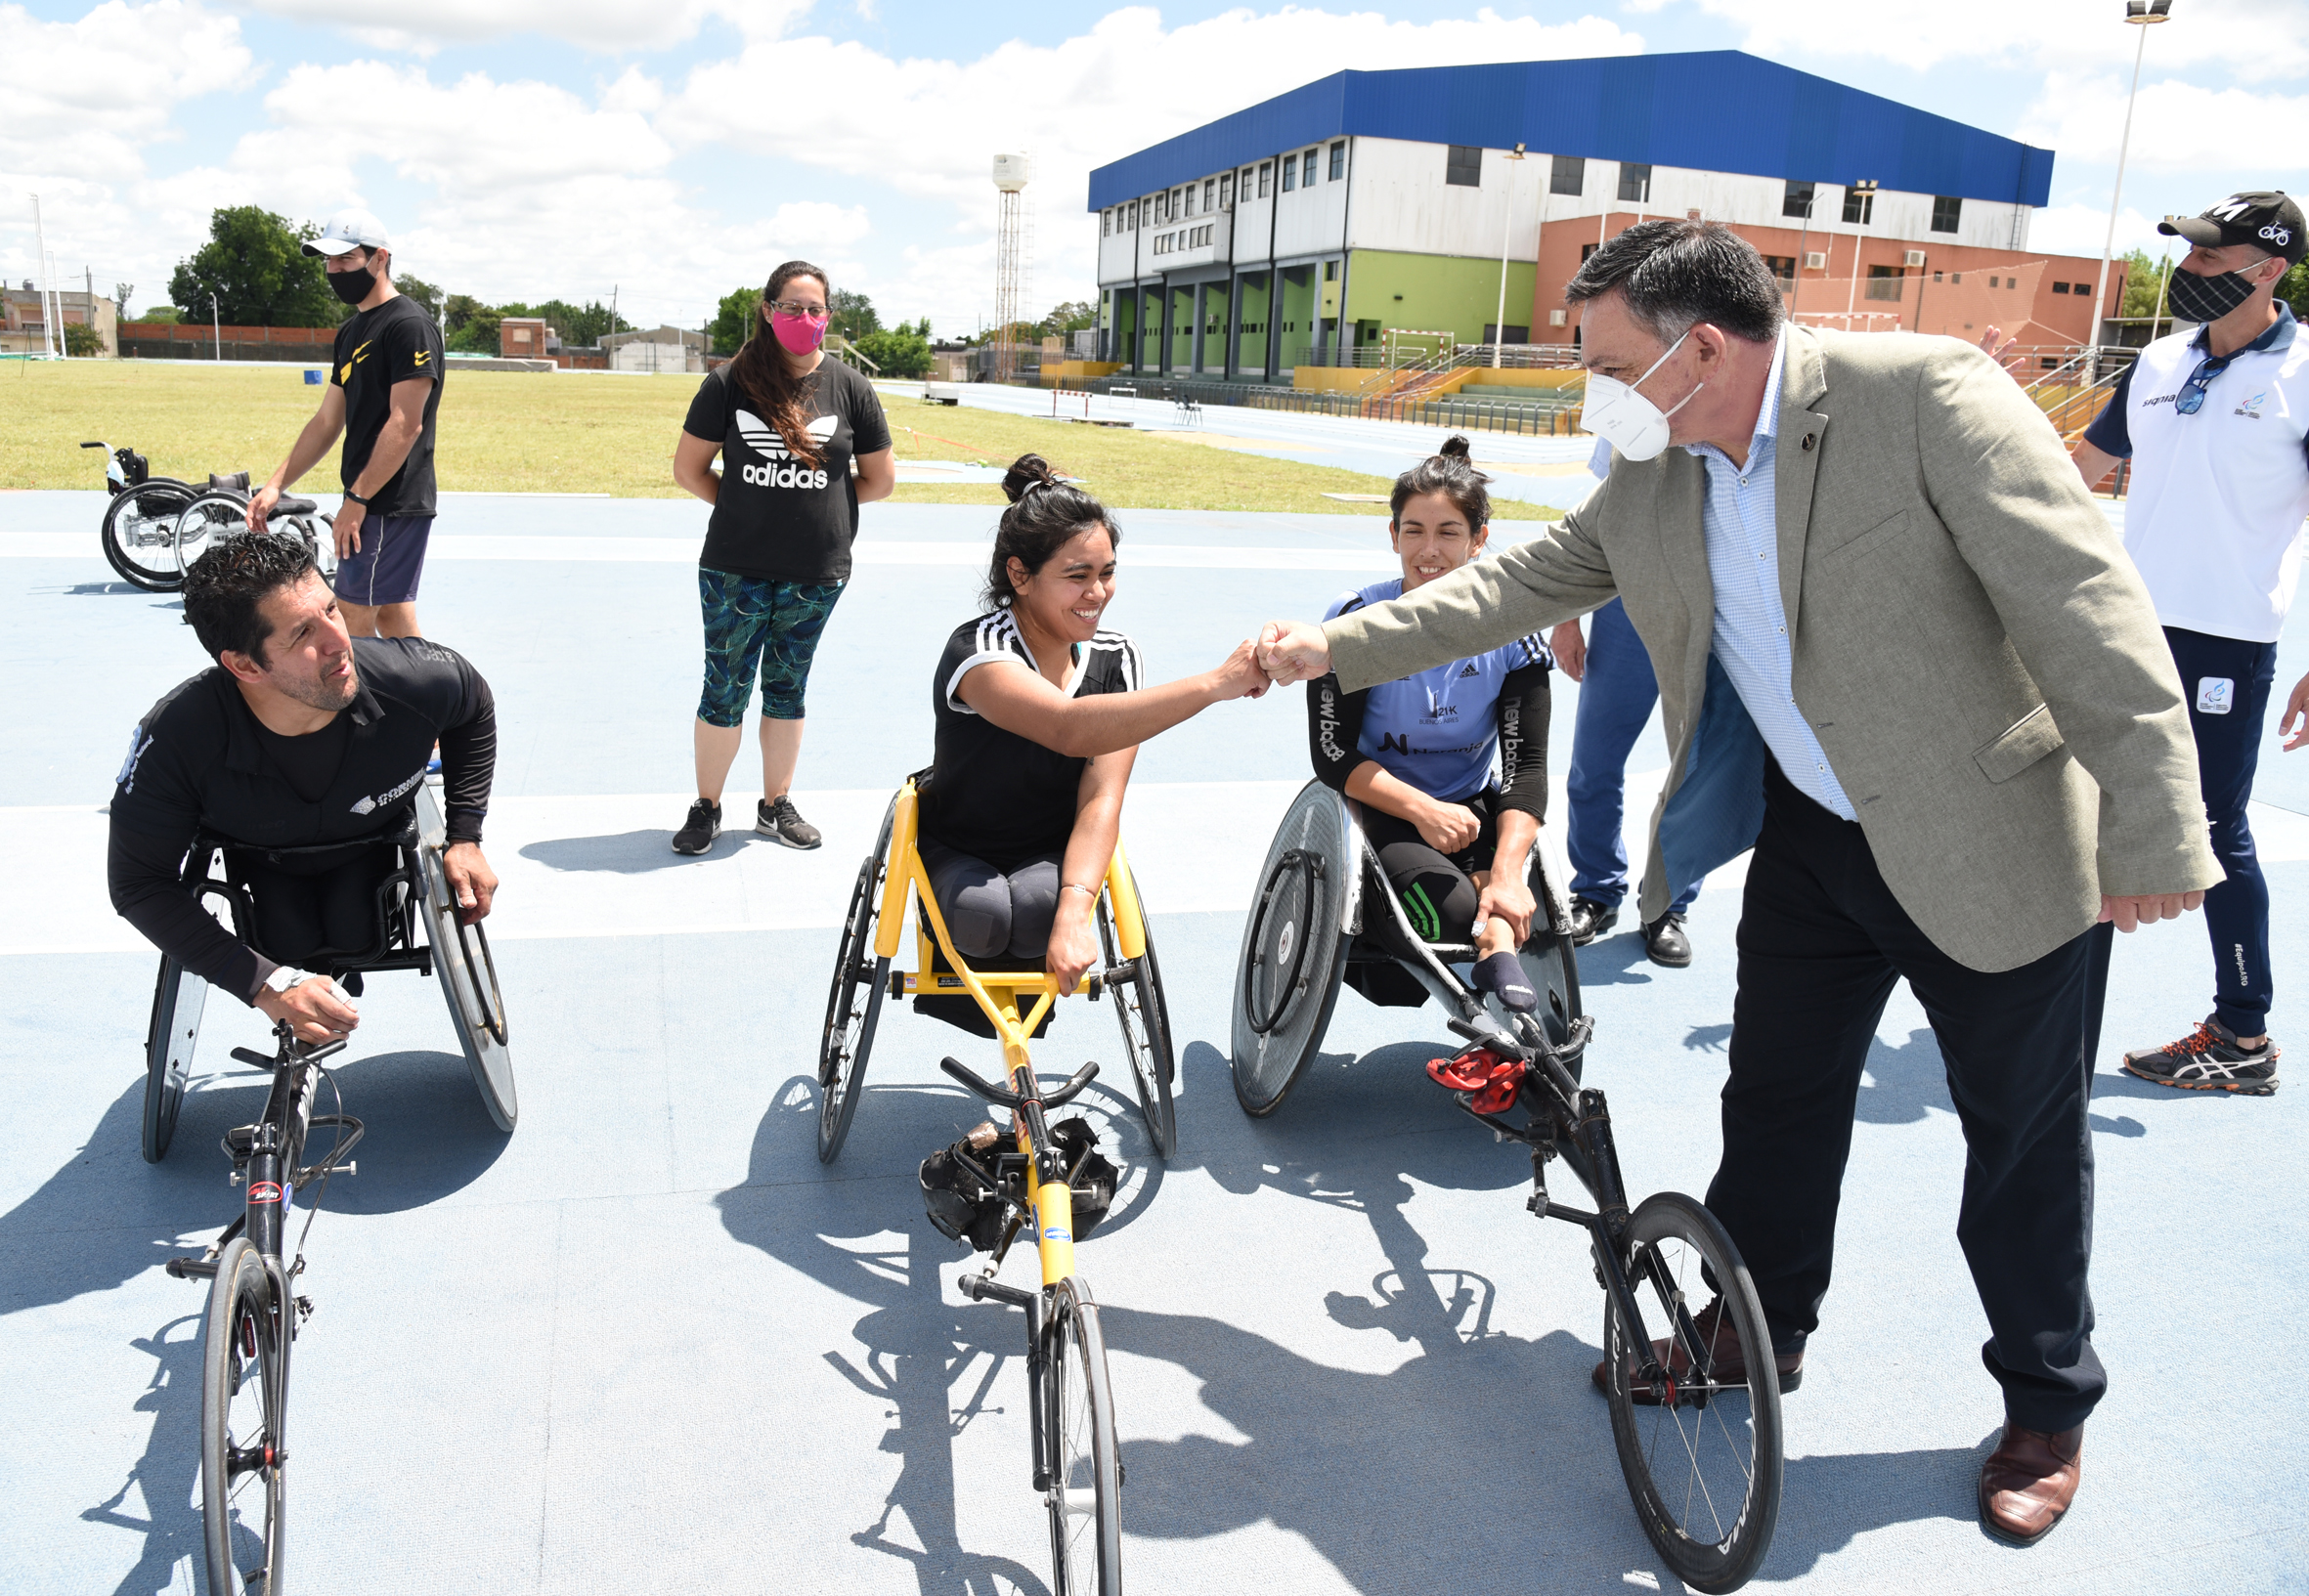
(1876, 594)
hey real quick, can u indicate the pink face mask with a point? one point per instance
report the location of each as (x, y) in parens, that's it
(796, 334)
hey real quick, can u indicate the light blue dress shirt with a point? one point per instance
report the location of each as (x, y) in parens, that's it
(1741, 527)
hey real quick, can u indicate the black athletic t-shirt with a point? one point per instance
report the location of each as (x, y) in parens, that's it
(995, 795)
(776, 519)
(395, 342)
(200, 760)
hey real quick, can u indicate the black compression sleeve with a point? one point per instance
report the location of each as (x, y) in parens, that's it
(143, 874)
(468, 760)
(1523, 711)
(1334, 726)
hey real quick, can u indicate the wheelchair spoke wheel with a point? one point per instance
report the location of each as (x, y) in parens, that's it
(178, 999)
(243, 1390)
(1145, 1018)
(140, 534)
(209, 516)
(853, 1003)
(1085, 1497)
(1702, 1456)
(1294, 949)
(467, 973)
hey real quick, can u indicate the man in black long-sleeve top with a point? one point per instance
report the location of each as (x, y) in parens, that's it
(300, 736)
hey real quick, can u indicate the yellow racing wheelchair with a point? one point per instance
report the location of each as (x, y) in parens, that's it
(987, 1001)
(1049, 1181)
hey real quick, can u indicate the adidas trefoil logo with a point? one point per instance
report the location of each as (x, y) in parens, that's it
(764, 439)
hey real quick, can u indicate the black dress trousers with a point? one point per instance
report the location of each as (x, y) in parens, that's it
(1821, 941)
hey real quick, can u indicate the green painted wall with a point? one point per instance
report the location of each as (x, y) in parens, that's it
(1296, 313)
(1454, 294)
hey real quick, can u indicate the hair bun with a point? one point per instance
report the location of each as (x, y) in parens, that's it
(1027, 471)
(1456, 448)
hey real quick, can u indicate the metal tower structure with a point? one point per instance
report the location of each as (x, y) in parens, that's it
(1014, 260)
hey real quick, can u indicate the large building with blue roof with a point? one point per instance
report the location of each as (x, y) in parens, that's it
(1457, 201)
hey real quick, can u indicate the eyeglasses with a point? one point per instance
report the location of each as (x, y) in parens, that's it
(794, 307)
(2191, 398)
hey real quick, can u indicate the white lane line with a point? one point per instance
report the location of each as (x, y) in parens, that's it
(869, 550)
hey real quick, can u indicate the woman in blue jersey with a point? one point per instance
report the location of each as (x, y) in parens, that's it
(1416, 753)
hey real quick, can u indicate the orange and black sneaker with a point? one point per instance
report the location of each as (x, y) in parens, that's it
(2208, 1060)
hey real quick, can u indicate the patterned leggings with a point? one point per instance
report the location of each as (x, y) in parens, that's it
(769, 625)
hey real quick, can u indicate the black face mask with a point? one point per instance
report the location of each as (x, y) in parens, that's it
(2196, 298)
(352, 286)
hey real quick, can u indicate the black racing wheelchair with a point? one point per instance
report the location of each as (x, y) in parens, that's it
(1700, 1447)
(418, 929)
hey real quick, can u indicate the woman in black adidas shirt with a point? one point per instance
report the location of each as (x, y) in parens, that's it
(788, 424)
(1039, 714)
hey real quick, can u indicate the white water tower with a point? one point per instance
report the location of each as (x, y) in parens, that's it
(1014, 248)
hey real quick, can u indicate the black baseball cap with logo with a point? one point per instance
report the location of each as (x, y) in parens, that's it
(2266, 220)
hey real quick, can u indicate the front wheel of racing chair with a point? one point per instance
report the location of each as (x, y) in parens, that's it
(854, 1005)
(178, 1000)
(1326, 918)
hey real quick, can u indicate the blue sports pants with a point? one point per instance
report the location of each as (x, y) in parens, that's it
(2227, 684)
(1616, 699)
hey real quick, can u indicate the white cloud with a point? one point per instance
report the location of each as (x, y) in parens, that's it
(84, 98)
(423, 26)
(2177, 126)
(929, 127)
(2081, 229)
(2254, 40)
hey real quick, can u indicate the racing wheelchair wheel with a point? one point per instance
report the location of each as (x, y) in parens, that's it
(467, 973)
(1085, 1499)
(178, 999)
(244, 1388)
(1294, 948)
(854, 1004)
(1703, 1462)
(140, 532)
(1145, 1017)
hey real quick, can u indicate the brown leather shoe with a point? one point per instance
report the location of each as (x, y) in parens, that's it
(2029, 1482)
(1723, 1351)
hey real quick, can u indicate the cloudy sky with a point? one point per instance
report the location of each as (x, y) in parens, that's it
(677, 149)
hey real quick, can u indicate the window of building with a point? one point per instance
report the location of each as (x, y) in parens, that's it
(1462, 166)
(1883, 282)
(1569, 175)
(1130, 221)
(1290, 173)
(1266, 175)
(1210, 193)
(1307, 176)
(1784, 268)
(1859, 205)
(1946, 209)
(1955, 276)
(1797, 201)
(1227, 192)
(1330, 270)
(2060, 287)
(1188, 209)
(1338, 160)
(1586, 250)
(1635, 182)
(1936, 276)
(1105, 222)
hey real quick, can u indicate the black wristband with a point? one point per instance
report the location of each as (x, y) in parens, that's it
(352, 497)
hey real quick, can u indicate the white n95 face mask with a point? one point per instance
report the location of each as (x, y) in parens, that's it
(1627, 420)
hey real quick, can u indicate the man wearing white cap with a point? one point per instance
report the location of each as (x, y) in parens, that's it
(384, 388)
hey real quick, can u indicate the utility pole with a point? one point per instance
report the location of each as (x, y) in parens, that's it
(216, 325)
(2140, 14)
(1499, 326)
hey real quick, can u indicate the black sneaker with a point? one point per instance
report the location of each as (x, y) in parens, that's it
(781, 822)
(698, 832)
(1590, 920)
(2208, 1060)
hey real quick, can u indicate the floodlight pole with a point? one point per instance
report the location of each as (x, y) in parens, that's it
(2139, 14)
(216, 325)
(48, 313)
(1499, 325)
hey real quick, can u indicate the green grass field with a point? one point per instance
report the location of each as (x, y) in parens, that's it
(523, 432)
